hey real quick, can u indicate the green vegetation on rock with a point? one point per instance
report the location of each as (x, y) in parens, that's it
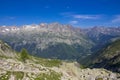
(48, 62)
(5, 76)
(49, 76)
(99, 79)
(24, 55)
(19, 75)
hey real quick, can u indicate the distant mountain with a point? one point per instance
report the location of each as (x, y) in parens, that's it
(22, 66)
(40, 39)
(57, 40)
(108, 57)
(102, 36)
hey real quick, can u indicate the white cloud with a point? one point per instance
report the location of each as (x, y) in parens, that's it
(80, 16)
(73, 22)
(86, 16)
(116, 19)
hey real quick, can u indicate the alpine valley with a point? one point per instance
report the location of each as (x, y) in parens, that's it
(59, 52)
(58, 41)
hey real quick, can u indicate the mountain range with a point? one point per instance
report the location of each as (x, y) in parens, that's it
(47, 39)
(57, 40)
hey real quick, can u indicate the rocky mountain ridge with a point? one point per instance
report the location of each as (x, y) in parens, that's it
(43, 38)
(36, 38)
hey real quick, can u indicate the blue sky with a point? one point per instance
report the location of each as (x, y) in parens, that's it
(82, 13)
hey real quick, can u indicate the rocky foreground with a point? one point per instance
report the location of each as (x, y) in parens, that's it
(22, 66)
(13, 69)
